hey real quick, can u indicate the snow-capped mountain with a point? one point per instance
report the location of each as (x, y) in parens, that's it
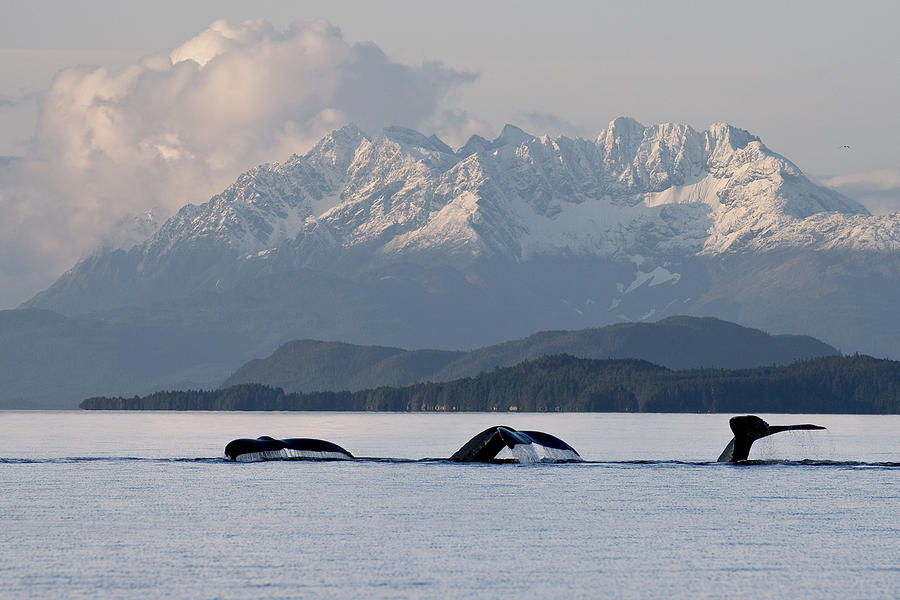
(531, 232)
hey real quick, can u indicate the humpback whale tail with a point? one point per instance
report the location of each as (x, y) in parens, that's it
(267, 448)
(527, 446)
(749, 428)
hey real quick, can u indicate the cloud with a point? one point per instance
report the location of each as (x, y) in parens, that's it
(175, 129)
(878, 190)
(879, 179)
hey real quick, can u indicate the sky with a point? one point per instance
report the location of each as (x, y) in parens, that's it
(113, 113)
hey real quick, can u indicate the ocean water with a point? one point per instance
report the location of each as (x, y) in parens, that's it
(143, 505)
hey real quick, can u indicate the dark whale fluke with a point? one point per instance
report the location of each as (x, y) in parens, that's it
(266, 448)
(749, 428)
(487, 444)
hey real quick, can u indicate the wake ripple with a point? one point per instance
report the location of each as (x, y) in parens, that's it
(100, 459)
(752, 463)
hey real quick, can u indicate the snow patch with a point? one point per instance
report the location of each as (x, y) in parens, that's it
(657, 276)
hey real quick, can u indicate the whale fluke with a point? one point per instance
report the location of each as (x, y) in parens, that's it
(749, 428)
(485, 446)
(267, 448)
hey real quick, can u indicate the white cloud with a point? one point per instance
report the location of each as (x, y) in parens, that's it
(877, 190)
(879, 179)
(173, 129)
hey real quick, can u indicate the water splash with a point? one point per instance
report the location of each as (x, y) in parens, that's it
(796, 445)
(290, 453)
(535, 453)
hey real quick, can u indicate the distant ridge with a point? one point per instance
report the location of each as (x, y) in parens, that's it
(676, 343)
(311, 365)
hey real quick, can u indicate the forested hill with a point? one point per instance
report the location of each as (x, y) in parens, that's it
(676, 342)
(834, 384)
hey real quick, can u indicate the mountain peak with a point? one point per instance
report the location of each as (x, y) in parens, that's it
(348, 134)
(411, 137)
(337, 147)
(512, 135)
(623, 125)
(475, 144)
(734, 137)
(621, 140)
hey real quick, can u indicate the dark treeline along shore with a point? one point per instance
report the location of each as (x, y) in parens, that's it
(834, 384)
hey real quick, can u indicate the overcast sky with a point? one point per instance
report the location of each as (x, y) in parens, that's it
(99, 135)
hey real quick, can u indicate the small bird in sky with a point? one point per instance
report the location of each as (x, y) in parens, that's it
(844, 147)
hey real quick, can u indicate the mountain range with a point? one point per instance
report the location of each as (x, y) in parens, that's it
(398, 240)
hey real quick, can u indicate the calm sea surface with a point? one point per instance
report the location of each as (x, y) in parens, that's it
(142, 505)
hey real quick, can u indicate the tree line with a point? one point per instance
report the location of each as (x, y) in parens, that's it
(835, 384)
